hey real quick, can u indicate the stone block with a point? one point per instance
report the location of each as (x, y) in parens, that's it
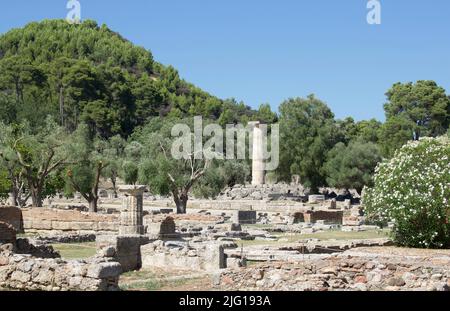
(245, 217)
(104, 270)
(313, 199)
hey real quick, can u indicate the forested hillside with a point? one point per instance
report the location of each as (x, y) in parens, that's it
(88, 73)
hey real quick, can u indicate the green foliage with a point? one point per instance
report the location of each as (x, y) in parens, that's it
(352, 166)
(5, 184)
(221, 174)
(86, 73)
(367, 131)
(33, 157)
(157, 163)
(166, 175)
(414, 110)
(130, 172)
(412, 190)
(89, 156)
(307, 133)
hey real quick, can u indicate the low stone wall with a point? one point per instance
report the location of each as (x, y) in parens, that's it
(341, 273)
(44, 219)
(125, 249)
(20, 272)
(196, 256)
(328, 217)
(13, 216)
(64, 238)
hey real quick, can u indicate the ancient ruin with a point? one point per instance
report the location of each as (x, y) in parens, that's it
(278, 233)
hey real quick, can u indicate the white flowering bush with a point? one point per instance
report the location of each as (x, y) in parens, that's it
(412, 190)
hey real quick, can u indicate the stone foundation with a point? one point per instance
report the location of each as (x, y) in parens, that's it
(207, 256)
(20, 272)
(328, 217)
(346, 272)
(126, 249)
(44, 219)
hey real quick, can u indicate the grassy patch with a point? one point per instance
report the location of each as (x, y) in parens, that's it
(148, 285)
(341, 235)
(76, 251)
(327, 235)
(149, 280)
(26, 235)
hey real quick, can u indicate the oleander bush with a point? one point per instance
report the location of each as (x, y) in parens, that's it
(412, 190)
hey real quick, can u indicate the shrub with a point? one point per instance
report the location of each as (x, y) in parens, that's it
(413, 191)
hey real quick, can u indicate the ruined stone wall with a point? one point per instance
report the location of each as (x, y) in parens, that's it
(243, 205)
(13, 216)
(125, 249)
(21, 272)
(329, 217)
(44, 219)
(197, 256)
(340, 273)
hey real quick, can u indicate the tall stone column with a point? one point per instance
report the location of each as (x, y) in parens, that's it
(258, 165)
(131, 218)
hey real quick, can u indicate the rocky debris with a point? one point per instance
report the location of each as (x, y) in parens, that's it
(23, 272)
(64, 238)
(279, 191)
(343, 272)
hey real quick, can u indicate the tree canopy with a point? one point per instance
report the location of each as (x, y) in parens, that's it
(87, 73)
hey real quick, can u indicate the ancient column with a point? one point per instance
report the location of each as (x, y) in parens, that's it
(258, 166)
(131, 217)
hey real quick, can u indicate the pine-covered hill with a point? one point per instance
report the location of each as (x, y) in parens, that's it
(88, 73)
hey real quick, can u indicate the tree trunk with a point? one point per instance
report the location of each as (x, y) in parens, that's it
(36, 198)
(61, 105)
(181, 203)
(114, 181)
(14, 197)
(93, 205)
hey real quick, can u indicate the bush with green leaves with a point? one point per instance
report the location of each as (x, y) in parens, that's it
(413, 191)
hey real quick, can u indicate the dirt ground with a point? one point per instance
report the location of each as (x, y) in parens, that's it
(166, 280)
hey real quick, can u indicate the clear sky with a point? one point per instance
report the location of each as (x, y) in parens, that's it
(265, 51)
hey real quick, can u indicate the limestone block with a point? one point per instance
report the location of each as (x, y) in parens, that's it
(40, 225)
(91, 225)
(61, 225)
(108, 226)
(313, 199)
(104, 270)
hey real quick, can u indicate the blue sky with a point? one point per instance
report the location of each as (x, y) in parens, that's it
(262, 51)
